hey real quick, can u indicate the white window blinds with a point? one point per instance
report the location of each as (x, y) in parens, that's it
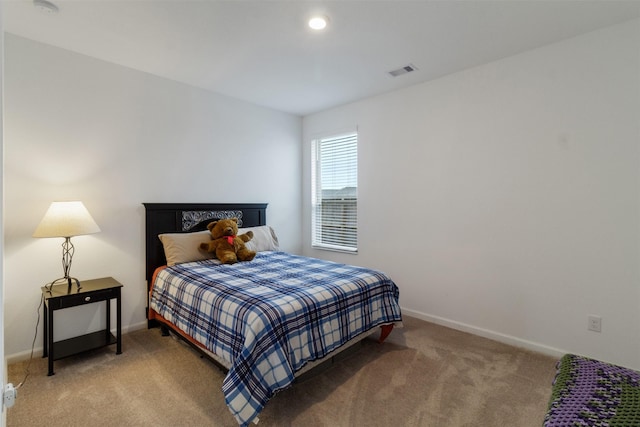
(334, 191)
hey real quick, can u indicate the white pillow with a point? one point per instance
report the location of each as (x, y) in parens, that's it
(264, 238)
(185, 247)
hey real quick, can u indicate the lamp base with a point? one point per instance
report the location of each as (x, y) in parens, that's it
(67, 279)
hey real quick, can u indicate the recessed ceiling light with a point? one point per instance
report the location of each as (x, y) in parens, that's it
(45, 7)
(318, 22)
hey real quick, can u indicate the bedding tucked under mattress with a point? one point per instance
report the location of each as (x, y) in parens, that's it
(270, 316)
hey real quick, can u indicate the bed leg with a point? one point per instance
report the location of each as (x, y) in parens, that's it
(164, 330)
(385, 330)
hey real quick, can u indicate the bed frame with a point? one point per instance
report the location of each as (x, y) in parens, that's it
(189, 217)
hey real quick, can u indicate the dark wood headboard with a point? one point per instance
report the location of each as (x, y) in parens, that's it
(187, 217)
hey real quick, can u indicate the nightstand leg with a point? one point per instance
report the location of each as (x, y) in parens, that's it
(108, 328)
(45, 342)
(50, 340)
(118, 324)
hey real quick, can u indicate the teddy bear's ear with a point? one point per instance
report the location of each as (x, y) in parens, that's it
(234, 220)
(211, 225)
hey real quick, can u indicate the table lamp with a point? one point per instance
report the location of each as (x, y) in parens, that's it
(66, 219)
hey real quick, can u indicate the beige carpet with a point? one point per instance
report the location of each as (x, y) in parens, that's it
(424, 375)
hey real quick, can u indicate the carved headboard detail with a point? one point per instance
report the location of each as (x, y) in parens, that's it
(191, 219)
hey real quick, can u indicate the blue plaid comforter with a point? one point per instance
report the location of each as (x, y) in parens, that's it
(270, 316)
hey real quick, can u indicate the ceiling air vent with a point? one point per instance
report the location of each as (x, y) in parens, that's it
(403, 70)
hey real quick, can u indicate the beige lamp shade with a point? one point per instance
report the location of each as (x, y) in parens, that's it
(66, 219)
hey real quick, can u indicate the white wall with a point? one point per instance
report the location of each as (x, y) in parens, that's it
(505, 199)
(80, 128)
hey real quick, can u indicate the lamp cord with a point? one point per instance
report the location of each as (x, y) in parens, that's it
(26, 369)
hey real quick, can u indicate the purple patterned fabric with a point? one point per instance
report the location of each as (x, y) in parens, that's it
(590, 393)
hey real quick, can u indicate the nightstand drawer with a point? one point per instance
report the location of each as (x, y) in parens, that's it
(86, 298)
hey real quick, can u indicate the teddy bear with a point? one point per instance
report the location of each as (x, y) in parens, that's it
(226, 244)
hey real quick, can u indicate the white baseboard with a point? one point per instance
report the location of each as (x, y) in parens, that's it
(485, 333)
(496, 336)
(37, 351)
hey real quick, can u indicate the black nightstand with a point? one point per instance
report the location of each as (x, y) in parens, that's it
(61, 296)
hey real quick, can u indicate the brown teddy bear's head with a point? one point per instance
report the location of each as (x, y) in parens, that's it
(223, 227)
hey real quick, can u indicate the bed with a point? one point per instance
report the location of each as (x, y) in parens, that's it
(265, 321)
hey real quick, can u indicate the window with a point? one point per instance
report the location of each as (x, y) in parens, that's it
(334, 193)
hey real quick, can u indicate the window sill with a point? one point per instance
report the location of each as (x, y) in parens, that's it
(336, 249)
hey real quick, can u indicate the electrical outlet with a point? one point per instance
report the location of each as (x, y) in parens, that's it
(10, 394)
(595, 323)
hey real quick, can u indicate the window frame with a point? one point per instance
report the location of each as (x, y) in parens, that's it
(341, 239)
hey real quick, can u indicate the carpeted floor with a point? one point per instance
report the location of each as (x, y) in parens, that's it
(423, 375)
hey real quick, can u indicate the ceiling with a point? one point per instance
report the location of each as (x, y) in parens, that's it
(263, 52)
